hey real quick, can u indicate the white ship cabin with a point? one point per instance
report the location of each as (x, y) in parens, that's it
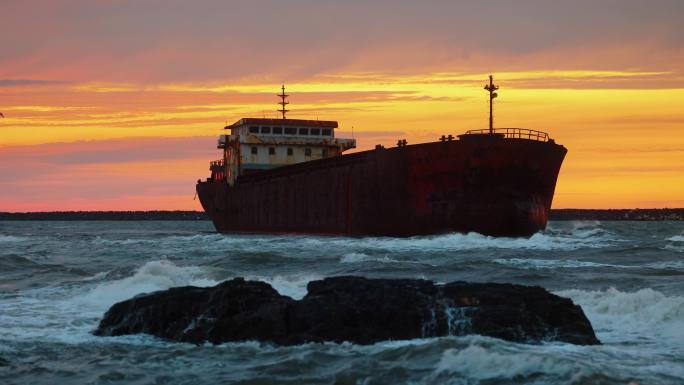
(255, 145)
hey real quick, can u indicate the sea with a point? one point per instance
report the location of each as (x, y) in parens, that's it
(57, 279)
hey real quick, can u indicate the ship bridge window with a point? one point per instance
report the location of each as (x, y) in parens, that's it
(307, 152)
(303, 131)
(278, 130)
(271, 151)
(254, 130)
(290, 131)
(265, 130)
(326, 132)
(255, 150)
(315, 131)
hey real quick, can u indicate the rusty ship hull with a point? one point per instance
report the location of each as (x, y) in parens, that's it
(487, 184)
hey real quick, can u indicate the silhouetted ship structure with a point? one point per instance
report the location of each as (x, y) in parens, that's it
(289, 176)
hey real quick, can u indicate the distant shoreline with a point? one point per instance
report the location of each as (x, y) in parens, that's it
(556, 215)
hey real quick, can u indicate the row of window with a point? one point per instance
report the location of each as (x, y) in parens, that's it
(290, 151)
(304, 131)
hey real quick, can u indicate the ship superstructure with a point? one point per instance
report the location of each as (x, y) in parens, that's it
(290, 176)
(258, 144)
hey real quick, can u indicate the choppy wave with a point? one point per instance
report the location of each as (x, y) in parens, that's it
(676, 238)
(592, 238)
(536, 264)
(621, 315)
(482, 363)
(161, 275)
(579, 235)
(13, 261)
(640, 329)
(677, 248)
(152, 276)
(293, 286)
(68, 316)
(550, 240)
(530, 263)
(362, 258)
(676, 264)
(11, 238)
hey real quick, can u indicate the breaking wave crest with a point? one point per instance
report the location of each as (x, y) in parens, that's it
(291, 286)
(538, 264)
(621, 315)
(552, 239)
(161, 275)
(551, 264)
(11, 238)
(566, 236)
(361, 258)
(538, 241)
(676, 238)
(152, 276)
(484, 363)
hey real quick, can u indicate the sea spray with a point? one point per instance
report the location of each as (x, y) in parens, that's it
(47, 322)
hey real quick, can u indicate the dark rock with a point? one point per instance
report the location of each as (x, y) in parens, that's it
(354, 309)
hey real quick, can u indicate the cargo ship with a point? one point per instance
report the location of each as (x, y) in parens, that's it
(290, 176)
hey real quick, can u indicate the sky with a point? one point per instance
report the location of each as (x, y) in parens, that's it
(116, 105)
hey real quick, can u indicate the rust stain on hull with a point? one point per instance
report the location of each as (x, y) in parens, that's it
(490, 185)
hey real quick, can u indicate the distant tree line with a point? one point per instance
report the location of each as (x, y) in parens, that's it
(556, 215)
(106, 216)
(617, 215)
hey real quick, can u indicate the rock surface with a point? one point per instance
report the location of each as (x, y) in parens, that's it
(354, 309)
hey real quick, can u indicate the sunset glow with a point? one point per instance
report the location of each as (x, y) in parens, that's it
(121, 113)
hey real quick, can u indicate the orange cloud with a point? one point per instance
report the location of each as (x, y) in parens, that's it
(126, 87)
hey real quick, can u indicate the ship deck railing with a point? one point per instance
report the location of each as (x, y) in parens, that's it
(217, 165)
(513, 133)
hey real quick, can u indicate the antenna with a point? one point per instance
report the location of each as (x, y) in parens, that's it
(283, 103)
(492, 94)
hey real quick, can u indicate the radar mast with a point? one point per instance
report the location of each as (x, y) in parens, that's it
(282, 102)
(492, 94)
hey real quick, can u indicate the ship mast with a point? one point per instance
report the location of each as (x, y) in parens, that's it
(492, 94)
(282, 102)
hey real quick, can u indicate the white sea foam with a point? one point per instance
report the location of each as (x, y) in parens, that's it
(677, 248)
(531, 263)
(198, 237)
(618, 315)
(538, 241)
(120, 242)
(483, 363)
(293, 286)
(676, 238)
(355, 258)
(152, 276)
(96, 277)
(11, 238)
(577, 239)
(579, 235)
(50, 314)
(361, 257)
(194, 239)
(676, 264)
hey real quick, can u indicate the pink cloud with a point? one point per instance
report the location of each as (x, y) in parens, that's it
(124, 174)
